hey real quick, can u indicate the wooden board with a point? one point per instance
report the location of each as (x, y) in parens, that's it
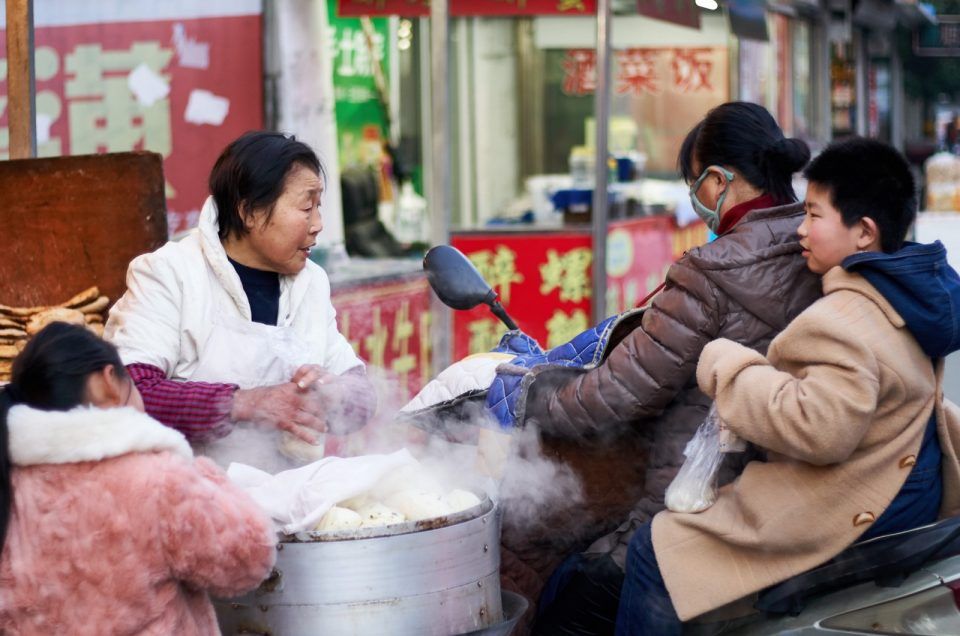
(67, 223)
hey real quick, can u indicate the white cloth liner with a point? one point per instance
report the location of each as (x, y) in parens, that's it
(297, 499)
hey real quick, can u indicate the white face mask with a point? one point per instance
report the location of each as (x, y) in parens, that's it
(710, 217)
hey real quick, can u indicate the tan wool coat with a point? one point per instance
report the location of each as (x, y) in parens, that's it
(840, 402)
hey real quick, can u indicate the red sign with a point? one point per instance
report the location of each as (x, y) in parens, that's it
(461, 8)
(181, 88)
(639, 253)
(646, 71)
(544, 280)
(388, 325)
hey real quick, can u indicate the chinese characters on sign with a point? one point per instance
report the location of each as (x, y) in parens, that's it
(498, 268)
(567, 272)
(563, 327)
(637, 71)
(360, 116)
(544, 280)
(181, 88)
(580, 72)
(388, 325)
(641, 71)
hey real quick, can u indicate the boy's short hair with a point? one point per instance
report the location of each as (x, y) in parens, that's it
(868, 178)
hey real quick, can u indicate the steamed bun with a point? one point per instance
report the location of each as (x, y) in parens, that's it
(458, 500)
(417, 504)
(300, 451)
(339, 519)
(376, 514)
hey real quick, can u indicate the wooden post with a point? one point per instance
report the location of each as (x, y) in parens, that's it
(21, 90)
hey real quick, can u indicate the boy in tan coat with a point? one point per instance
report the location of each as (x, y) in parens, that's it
(848, 404)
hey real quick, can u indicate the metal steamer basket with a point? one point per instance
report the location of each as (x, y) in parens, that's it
(438, 576)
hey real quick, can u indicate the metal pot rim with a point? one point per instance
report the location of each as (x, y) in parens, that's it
(407, 527)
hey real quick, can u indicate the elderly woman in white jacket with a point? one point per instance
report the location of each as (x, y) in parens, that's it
(234, 323)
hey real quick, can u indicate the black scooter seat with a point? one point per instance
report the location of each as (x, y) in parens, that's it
(887, 560)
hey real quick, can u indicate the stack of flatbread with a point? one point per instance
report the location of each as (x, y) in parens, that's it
(19, 324)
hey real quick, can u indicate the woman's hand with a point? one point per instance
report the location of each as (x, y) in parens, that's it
(286, 407)
(310, 375)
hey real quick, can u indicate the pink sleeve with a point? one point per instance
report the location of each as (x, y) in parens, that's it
(214, 536)
(199, 410)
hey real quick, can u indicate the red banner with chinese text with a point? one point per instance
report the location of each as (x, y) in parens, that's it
(650, 71)
(388, 325)
(461, 8)
(181, 88)
(544, 280)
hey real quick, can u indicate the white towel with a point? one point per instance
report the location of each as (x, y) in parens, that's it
(297, 499)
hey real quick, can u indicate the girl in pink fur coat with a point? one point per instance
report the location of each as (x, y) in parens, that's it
(110, 525)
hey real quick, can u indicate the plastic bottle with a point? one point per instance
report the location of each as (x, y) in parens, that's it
(410, 215)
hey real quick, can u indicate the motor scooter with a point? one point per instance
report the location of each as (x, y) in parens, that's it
(902, 583)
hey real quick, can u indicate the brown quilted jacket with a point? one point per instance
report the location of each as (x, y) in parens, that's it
(745, 286)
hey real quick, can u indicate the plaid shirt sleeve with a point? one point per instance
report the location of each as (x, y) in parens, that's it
(199, 410)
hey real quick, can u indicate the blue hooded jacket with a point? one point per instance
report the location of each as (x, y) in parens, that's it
(925, 291)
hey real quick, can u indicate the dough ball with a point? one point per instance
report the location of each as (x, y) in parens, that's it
(355, 503)
(458, 500)
(339, 519)
(299, 450)
(376, 514)
(417, 504)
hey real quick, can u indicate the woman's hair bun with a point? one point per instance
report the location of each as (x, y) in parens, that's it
(787, 155)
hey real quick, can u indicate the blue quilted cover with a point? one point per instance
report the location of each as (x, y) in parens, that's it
(583, 351)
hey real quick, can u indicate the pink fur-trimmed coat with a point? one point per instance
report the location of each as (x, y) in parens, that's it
(116, 529)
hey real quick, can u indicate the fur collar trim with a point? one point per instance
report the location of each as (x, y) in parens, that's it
(86, 434)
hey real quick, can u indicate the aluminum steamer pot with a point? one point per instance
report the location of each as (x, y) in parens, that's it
(438, 576)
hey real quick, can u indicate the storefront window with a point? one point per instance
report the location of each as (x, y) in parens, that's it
(802, 81)
(754, 72)
(842, 91)
(657, 95)
(878, 115)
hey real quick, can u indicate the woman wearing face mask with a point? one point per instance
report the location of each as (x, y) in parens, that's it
(107, 524)
(234, 324)
(746, 286)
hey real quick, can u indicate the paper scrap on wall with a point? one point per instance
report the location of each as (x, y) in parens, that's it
(147, 86)
(204, 107)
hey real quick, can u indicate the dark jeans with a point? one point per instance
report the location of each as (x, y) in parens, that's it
(645, 605)
(580, 598)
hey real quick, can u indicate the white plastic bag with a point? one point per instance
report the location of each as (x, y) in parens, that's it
(694, 489)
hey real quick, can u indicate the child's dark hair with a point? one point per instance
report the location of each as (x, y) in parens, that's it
(745, 137)
(868, 178)
(49, 374)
